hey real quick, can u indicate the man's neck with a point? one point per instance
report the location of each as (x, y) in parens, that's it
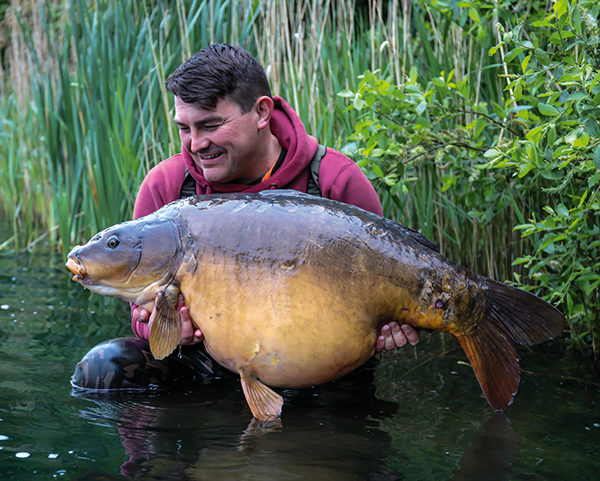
(269, 157)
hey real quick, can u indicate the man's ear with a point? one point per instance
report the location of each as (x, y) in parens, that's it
(264, 107)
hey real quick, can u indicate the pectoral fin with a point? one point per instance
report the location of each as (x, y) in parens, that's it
(165, 332)
(264, 403)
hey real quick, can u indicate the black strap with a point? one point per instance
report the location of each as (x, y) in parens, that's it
(313, 179)
(188, 188)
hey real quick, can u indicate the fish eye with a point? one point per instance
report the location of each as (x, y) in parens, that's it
(112, 242)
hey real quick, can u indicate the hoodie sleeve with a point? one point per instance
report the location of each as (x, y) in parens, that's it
(342, 180)
(161, 186)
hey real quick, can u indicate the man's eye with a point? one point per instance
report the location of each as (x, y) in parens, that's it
(211, 127)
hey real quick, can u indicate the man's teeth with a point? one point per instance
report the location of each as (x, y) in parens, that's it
(207, 157)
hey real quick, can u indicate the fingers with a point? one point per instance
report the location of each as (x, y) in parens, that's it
(411, 334)
(140, 314)
(393, 336)
(189, 335)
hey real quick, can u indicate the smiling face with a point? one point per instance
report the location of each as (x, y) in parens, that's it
(227, 144)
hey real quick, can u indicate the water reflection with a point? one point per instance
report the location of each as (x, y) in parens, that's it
(427, 421)
(493, 453)
(329, 432)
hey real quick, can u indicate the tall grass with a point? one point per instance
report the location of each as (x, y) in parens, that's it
(91, 114)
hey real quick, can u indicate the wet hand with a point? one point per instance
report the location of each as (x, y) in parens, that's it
(394, 336)
(189, 335)
(140, 314)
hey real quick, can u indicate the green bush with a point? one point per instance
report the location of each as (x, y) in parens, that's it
(471, 170)
(559, 83)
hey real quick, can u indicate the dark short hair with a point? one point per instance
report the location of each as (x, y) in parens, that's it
(218, 72)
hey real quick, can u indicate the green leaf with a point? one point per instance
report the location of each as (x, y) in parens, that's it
(551, 174)
(551, 136)
(346, 94)
(582, 141)
(549, 222)
(400, 169)
(597, 157)
(525, 63)
(492, 154)
(513, 53)
(421, 108)
(576, 20)
(562, 210)
(396, 188)
(547, 241)
(562, 150)
(358, 103)
(413, 74)
(382, 88)
(474, 15)
(525, 168)
(591, 127)
(558, 37)
(531, 152)
(521, 260)
(534, 135)
(370, 99)
(594, 179)
(493, 50)
(560, 7)
(375, 168)
(547, 110)
(518, 92)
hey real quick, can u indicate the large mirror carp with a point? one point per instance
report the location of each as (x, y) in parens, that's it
(290, 290)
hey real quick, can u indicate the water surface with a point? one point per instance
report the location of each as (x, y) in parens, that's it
(417, 414)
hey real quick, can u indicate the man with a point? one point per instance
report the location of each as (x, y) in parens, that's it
(236, 137)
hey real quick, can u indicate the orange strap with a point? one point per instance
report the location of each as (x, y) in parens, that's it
(268, 174)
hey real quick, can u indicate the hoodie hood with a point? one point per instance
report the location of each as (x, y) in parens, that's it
(301, 147)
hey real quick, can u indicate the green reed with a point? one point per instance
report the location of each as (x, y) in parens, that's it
(91, 116)
(94, 116)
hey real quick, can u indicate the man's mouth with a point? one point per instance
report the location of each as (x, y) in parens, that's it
(210, 156)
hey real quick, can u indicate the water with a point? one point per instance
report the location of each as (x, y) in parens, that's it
(415, 415)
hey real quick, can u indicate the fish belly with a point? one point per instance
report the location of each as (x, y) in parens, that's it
(289, 327)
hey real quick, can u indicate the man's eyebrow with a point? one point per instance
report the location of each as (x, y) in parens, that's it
(208, 120)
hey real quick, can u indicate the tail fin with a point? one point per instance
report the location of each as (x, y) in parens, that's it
(513, 316)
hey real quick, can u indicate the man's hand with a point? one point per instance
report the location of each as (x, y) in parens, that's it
(189, 335)
(394, 336)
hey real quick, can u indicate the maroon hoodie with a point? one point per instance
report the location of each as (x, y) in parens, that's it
(339, 177)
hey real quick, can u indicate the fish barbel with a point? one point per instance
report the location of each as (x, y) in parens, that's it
(290, 290)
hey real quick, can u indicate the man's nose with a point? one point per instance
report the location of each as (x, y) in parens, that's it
(199, 142)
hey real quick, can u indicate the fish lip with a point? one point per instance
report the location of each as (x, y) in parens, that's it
(77, 268)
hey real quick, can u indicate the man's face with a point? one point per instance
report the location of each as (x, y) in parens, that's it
(223, 142)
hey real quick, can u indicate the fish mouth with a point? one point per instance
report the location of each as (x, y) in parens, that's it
(77, 268)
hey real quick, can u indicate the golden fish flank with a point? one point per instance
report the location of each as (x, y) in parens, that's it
(291, 290)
